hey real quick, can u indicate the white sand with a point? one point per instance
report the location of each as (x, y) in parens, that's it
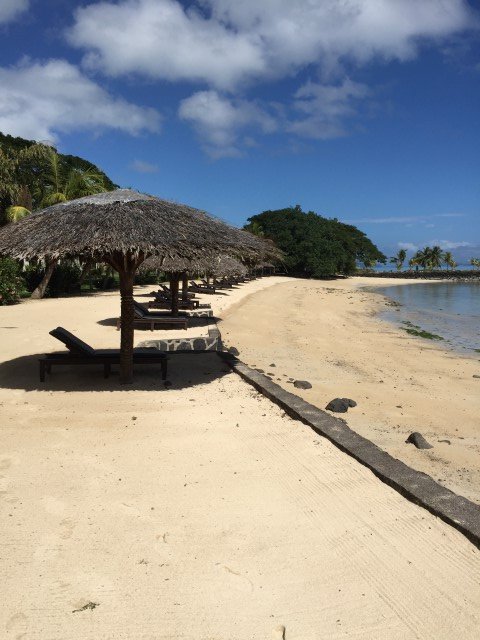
(328, 333)
(199, 512)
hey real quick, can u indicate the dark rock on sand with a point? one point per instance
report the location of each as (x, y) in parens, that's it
(340, 405)
(260, 370)
(446, 441)
(475, 376)
(302, 384)
(418, 440)
(273, 365)
(234, 351)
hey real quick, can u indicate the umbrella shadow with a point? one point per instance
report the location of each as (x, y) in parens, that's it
(185, 370)
(193, 321)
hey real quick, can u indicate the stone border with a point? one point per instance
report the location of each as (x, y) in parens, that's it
(418, 487)
(196, 344)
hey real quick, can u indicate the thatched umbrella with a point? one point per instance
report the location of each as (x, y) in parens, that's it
(222, 266)
(122, 228)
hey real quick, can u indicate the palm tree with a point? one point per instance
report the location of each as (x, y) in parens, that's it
(436, 257)
(448, 260)
(62, 183)
(399, 259)
(422, 257)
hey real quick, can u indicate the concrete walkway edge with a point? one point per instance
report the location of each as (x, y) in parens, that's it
(418, 487)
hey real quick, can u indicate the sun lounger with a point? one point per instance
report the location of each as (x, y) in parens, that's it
(163, 302)
(151, 319)
(168, 292)
(200, 288)
(80, 352)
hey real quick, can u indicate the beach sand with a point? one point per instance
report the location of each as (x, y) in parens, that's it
(329, 334)
(201, 511)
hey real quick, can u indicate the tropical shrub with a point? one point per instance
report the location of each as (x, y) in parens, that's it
(11, 282)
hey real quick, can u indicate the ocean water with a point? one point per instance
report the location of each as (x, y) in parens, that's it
(448, 309)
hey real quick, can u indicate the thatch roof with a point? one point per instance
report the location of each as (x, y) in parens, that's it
(217, 266)
(123, 221)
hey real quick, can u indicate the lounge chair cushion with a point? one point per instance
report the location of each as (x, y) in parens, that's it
(73, 344)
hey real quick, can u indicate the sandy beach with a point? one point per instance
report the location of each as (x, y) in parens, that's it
(201, 511)
(329, 334)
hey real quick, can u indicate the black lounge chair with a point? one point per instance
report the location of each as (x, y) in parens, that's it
(164, 302)
(151, 319)
(80, 352)
(166, 291)
(200, 288)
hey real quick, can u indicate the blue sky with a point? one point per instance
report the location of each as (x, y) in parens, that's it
(363, 110)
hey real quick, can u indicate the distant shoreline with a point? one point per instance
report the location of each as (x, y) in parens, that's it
(456, 275)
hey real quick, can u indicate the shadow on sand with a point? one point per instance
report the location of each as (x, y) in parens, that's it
(185, 370)
(193, 321)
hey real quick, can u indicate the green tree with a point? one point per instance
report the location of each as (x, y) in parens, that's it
(475, 262)
(399, 259)
(436, 258)
(315, 246)
(449, 260)
(34, 175)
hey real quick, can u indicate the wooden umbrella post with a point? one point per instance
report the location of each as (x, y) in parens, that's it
(174, 280)
(185, 287)
(126, 267)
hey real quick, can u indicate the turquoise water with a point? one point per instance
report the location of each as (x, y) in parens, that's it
(448, 309)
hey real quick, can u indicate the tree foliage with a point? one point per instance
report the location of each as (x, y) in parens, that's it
(11, 282)
(399, 259)
(314, 246)
(35, 175)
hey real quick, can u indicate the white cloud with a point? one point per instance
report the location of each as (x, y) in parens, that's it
(11, 9)
(449, 244)
(225, 42)
(229, 46)
(409, 220)
(443, 244)
(219, 121)
(42, 99)
(324, 108)
(408, 246)
(144, 167)
(162, 39)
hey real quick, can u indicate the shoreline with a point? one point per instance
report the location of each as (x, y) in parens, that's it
(330, 334)
(429, 318)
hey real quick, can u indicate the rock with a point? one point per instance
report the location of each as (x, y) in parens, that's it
(260, 370)
(446, 441)
(475, 376)
(338, 405)
(273, 365)
(234, 351)
(302, 384)
(418, 440)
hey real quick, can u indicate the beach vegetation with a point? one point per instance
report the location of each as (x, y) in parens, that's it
(428, 258)
(399, 259)
(11, 282)
(421, 333)
(315, 246)
(449, 260)
(475, 262)
(33, 176)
